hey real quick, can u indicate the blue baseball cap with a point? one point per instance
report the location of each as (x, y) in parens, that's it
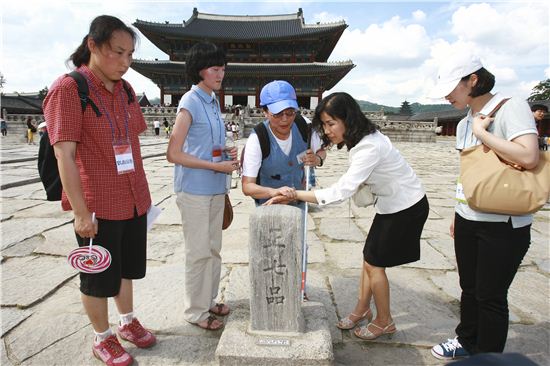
(277, 96)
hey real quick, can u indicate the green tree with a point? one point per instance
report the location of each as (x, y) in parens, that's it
(541, 91)
(406, 109)
(2, 81)
(42, 93)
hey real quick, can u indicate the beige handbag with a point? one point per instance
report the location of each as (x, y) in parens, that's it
(493, 185)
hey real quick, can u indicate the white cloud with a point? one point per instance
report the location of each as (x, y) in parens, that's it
(419, 16)
(517, 33)
(396, 58)
(392, 44)
(325, 17)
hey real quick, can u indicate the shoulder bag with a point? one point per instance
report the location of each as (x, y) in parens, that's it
(227, 213)
(363, 197)
(495, 186)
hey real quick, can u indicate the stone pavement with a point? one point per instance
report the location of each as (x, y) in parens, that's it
(43, 322)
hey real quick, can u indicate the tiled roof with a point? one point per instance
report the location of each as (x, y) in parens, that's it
(311, 68)
(18, 103)
(326, 75)
(238, 27)
(442, 116)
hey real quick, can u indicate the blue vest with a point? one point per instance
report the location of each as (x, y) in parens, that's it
(278, 169)
(207, 129)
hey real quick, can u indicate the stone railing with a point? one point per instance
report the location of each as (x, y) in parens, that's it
(159, 110)
(410, 131)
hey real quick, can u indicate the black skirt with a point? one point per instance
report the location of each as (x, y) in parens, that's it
(394, 239)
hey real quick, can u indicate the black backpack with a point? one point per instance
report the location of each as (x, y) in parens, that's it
(47, 162)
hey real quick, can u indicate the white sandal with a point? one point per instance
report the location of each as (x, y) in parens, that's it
(346, 323)
(365, 333)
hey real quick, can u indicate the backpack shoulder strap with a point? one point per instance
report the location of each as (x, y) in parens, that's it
(304, 128)
(84, 92)
(263, 138)
(128, 91)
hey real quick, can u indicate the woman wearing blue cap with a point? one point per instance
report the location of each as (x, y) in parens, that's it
(489, 247)
(280, 171)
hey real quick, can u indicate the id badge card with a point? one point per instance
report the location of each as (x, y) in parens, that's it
(460, 197)
(124, 159)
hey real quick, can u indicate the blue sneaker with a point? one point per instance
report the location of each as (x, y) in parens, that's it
(449, 350)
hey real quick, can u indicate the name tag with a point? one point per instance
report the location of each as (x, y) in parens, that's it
(124, 159)
(460, 197)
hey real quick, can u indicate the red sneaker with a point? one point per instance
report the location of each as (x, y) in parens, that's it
(135, 333)
(111, 352)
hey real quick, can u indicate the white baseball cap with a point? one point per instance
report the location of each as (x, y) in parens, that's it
(452, 71)
(42, 124)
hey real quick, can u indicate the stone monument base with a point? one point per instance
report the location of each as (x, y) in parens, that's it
(239, 346)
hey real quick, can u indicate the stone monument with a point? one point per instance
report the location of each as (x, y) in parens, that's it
(275, 269)
(277, 328)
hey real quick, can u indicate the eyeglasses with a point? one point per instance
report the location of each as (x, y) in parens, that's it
(289, 113)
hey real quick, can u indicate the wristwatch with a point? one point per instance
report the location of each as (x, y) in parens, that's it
(321, 161)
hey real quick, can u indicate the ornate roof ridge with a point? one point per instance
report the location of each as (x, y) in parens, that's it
(261, 64)
(248, 18)
(244, 18)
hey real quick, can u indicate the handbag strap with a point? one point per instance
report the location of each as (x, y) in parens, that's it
(493, 112)
(497, 107)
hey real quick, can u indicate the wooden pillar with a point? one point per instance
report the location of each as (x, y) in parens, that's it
(162, 96)
(222, 100)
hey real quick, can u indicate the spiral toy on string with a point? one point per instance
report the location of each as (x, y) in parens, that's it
(91, 259)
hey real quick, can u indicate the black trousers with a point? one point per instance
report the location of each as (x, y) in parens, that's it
(488, 255)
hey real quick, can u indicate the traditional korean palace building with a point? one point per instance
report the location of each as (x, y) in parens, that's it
(260, 48)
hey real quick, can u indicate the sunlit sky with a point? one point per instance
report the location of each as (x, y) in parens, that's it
(395, 46)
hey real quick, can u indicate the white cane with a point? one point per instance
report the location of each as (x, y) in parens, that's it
(304, 242)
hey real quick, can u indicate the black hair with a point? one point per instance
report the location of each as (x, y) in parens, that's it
(344, 107)
(536, 107)
(101, 31)
(202, 56)
(485, 82)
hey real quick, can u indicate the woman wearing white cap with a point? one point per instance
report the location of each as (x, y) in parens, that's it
(489, 247)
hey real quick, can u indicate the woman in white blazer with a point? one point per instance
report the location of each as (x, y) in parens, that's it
(399, 199)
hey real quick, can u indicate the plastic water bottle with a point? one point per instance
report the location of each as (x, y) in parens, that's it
(229, 144)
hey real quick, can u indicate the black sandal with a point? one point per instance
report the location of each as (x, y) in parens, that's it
(209, 322)
(218, 309)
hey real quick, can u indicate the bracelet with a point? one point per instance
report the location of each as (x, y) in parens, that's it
(321, 161)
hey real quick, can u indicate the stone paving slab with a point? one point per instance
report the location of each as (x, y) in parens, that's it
(421, 316)
(59, 241)
(20, 229)
(11, 317)
(39, 276)
(345, 255)
(424, 294)
(341, 229)
(430, 259)
(59, 317)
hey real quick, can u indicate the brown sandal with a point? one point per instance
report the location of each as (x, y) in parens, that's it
(209, 325)
(219, 308)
